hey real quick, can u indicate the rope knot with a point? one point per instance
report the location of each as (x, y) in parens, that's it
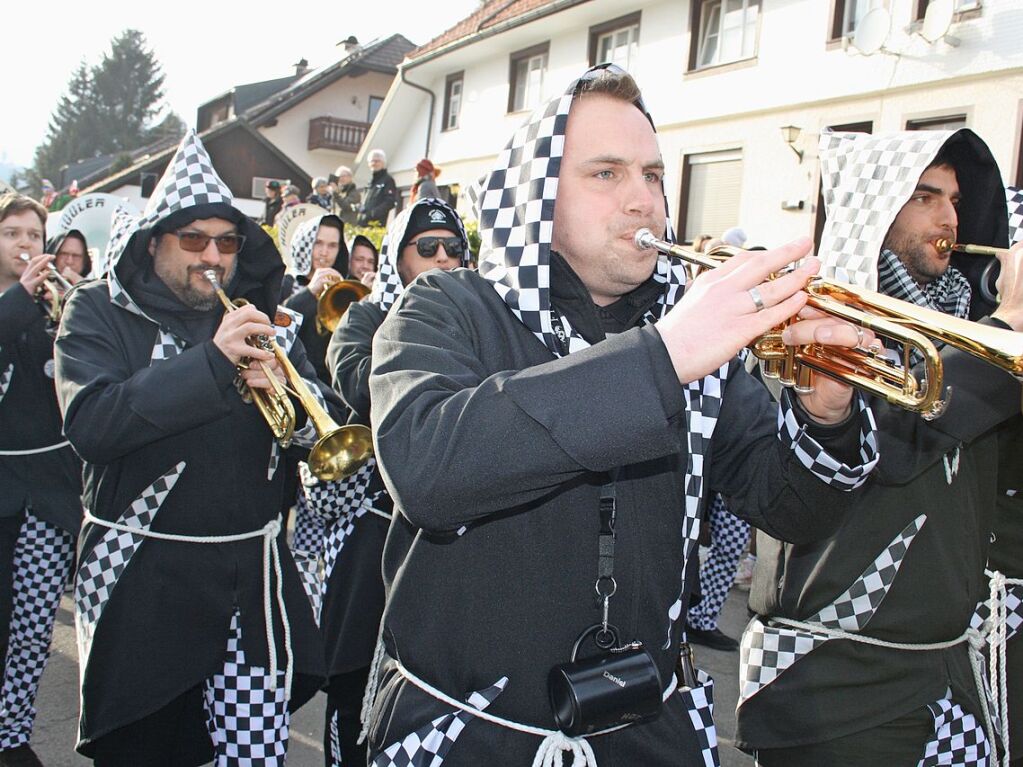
(556, 744)
(273, 527)
(976, 639)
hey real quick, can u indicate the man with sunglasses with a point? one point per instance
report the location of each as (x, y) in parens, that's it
(426, 236)
(196, 639)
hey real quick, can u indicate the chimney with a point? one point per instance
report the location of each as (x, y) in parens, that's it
(301, 67)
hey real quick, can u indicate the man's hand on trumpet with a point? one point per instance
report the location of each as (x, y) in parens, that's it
(1010, 287)
(232, 339)
(37, 269)
(730, 306)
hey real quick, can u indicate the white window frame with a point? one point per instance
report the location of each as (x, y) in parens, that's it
(530, 93)
(453, 103)
(707, 32)
(850, 17)
(630, 45)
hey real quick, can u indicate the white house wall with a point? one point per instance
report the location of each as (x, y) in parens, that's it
(291, 133)
(797, 78)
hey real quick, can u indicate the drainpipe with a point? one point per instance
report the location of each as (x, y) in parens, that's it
(433, 102)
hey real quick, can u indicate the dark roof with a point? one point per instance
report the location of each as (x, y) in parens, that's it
(378, 56)
(248, 95)
(490, 14)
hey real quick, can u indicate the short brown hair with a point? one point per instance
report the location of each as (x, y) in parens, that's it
(12, 203)
(617, 85)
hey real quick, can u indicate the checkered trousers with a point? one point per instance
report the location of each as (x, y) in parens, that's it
(958, 739)
(767, 650)
(427, 746)
(728, 538)
(42, 560)
(699, 702)
(1014, 201)
(247, 719)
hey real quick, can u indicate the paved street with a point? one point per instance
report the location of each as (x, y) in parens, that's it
(57, 723)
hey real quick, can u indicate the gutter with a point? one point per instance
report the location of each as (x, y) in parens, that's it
(433, 103)
(516, 21)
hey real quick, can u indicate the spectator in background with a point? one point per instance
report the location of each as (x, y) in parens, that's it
(49, 193)
(425, 185)
(381, 193)
(347, 196)
(291, 196)
(272, 202)
(362, 263)
(321, 193)
(70, 255)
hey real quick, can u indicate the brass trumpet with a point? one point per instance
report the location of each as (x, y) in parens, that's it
(334, 301)
(989, 275)
(340, 451)
(910, 326)
(56, 304)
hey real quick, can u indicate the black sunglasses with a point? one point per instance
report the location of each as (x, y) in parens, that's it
(427, 246)
(196, 242)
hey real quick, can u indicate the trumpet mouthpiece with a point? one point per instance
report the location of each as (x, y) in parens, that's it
(644, 238)
(943, 244)
(24, 257)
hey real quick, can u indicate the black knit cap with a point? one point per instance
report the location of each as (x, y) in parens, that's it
(427, 217)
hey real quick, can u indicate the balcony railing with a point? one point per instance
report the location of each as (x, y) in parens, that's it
(336, 134)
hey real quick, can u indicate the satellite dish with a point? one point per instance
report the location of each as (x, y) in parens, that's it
(937, 20)
(872, 31)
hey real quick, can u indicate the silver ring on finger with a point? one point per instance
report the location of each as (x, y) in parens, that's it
(758, 300)
(859, 336)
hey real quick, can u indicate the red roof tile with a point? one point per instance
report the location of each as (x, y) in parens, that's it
(491, 13)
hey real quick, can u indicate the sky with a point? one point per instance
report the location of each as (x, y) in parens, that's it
(205, 48)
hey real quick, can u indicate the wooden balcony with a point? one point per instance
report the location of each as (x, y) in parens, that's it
(338, 135)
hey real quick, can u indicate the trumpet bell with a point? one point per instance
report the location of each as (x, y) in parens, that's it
(334, 302)
(341, 453)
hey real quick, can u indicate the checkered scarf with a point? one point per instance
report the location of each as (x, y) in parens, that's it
(1014, 200)
(949, 294)
(387, 286)
(515, 207)
(866, 179)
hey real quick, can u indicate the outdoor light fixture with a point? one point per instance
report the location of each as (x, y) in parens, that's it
(790, 134)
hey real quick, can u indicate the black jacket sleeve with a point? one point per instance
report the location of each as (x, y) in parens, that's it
(18, 310)
(109, 408)
(349, 356)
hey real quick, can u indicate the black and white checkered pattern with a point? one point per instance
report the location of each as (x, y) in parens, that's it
(330, 500)
(865, 181)
(699, 702)
(309, 527)
(166, 347)
(189, 180)
(766, 651)
(728, 538)
(812, 455)
(103, 564)
(123, 224)
(248, 719)
(335, 743)
(5, 379)
(42, 559)
(958, 740)
(853, 609)
(427, 746)
(302, 245)
(1013, 612)
(1014, 200)
(387, 286)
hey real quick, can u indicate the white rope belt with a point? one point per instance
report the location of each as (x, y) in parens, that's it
(973, 639)
(271, 559)
(997, 635)
(554, 743)
(37, 450)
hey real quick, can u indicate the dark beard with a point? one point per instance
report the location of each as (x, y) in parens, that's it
(914, 257)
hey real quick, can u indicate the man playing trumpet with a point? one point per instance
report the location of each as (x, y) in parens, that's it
(40, 476)
(196, 640)
(860, 654)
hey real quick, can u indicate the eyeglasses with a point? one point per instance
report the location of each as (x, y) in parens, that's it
(427, 246)
(197, 242)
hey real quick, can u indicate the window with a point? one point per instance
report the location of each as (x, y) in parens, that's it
(616, 41)
(727, 32)
(526, 81)
(452, 100)
(374, 106)
(711, 187)
(958, 6)
(948, 122)
(849, 13)
(259, 183)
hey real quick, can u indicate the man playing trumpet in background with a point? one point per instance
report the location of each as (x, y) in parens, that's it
(196, 640)
(40, 476)
(860, 655)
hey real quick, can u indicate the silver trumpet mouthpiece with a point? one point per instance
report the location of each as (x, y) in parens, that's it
(644, 238)
(211, 276)
(24, 257)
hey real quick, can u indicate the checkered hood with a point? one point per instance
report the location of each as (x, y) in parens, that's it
(122, 224)
(866, 179)
(302, 246)
(515, 207)
(387, 286)
(1014, 202)
(190, 181)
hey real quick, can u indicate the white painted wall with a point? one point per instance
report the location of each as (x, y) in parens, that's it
(346, 99)
(797, 78)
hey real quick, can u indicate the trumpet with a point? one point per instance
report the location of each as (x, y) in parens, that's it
(912, 327)
(340, 451)
(989, 276)
(334, 301)
(56, 303)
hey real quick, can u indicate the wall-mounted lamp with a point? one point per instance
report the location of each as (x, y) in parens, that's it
(790, 134)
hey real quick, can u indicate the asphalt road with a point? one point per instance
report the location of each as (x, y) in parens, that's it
(57, 722)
